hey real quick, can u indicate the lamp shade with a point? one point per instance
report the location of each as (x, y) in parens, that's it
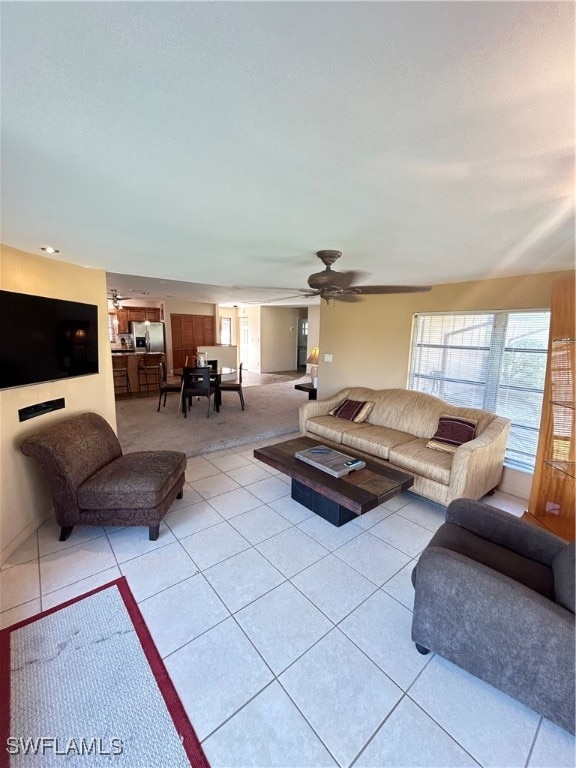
(313, 356)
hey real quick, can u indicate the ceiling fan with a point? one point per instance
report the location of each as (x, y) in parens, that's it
(115, 299)
(342, 286)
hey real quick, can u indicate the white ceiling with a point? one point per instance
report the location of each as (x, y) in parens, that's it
(224, 143)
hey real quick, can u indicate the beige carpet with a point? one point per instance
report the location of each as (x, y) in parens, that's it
(75, 677)
(271, 410)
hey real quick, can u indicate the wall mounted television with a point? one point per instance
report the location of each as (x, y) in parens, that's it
(45, 339)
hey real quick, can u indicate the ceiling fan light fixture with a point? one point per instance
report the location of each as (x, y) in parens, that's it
(115, 299)
(328, 257)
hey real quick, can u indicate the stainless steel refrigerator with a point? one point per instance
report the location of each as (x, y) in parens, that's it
(148, 337)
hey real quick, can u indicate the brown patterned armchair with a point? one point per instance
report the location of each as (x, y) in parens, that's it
(93, 483)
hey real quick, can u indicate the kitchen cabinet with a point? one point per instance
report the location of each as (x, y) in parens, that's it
(122, 318)
(552, 497)
(127, 315)
(136, 315)
(141, 314)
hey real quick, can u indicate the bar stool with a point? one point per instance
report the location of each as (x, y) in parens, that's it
(149, 371)
(120, 375)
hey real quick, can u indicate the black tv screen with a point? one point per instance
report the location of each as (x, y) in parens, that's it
(45, 339)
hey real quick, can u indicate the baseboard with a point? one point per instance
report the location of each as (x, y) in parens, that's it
(22, 536)
(516, 483)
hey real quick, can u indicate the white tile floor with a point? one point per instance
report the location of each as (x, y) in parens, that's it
(288, 639)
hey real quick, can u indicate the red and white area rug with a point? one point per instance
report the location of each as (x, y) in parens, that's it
(83, 685)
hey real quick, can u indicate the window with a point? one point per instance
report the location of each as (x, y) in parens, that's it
(491, 360)
(112, 326)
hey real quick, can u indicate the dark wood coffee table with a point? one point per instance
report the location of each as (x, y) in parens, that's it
(336, 500)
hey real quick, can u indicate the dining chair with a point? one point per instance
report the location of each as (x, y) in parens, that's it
(167, 386)
(196, 383)
(234, 386)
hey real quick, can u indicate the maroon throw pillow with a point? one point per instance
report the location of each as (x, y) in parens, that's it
(451, 433)
(352, 410)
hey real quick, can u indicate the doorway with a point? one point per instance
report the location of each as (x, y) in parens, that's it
(243, 340)
(302, 342)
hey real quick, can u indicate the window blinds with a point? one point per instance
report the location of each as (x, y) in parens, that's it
(491, 360)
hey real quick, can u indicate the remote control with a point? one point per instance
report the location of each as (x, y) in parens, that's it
(352, 462)
(319, 450)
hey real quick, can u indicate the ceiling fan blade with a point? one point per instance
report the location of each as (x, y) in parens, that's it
(350, 298)
(304, 294)
(379, 289)
(347, 278)
(329, 279)
(264, 288)
(301, 295)
(339, 294)
(342, 286)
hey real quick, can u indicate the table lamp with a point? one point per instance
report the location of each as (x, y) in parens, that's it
(312, 360)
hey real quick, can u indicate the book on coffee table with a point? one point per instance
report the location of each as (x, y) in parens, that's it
(328, 460)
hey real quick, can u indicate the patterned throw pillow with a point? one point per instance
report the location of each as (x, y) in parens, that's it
(452, 432)
(352, 410)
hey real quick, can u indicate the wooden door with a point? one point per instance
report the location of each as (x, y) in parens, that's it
(188, 340)
(208, 331)
(188, 333)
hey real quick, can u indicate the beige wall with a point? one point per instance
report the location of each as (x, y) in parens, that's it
(370, 340)
(278, 338)
(226, 355)
(24, 497)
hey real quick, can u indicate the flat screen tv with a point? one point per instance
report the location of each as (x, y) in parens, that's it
(45, 339)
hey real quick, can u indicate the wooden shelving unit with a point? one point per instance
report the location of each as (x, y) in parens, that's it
(552, 500)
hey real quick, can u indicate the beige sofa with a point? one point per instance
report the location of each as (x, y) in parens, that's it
(396, 432)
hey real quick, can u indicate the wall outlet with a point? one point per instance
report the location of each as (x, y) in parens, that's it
(327, 358)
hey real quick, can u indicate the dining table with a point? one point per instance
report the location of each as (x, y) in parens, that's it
(215, 376)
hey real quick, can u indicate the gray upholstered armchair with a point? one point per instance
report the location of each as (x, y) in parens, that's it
(93, 483)
(495, 595)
